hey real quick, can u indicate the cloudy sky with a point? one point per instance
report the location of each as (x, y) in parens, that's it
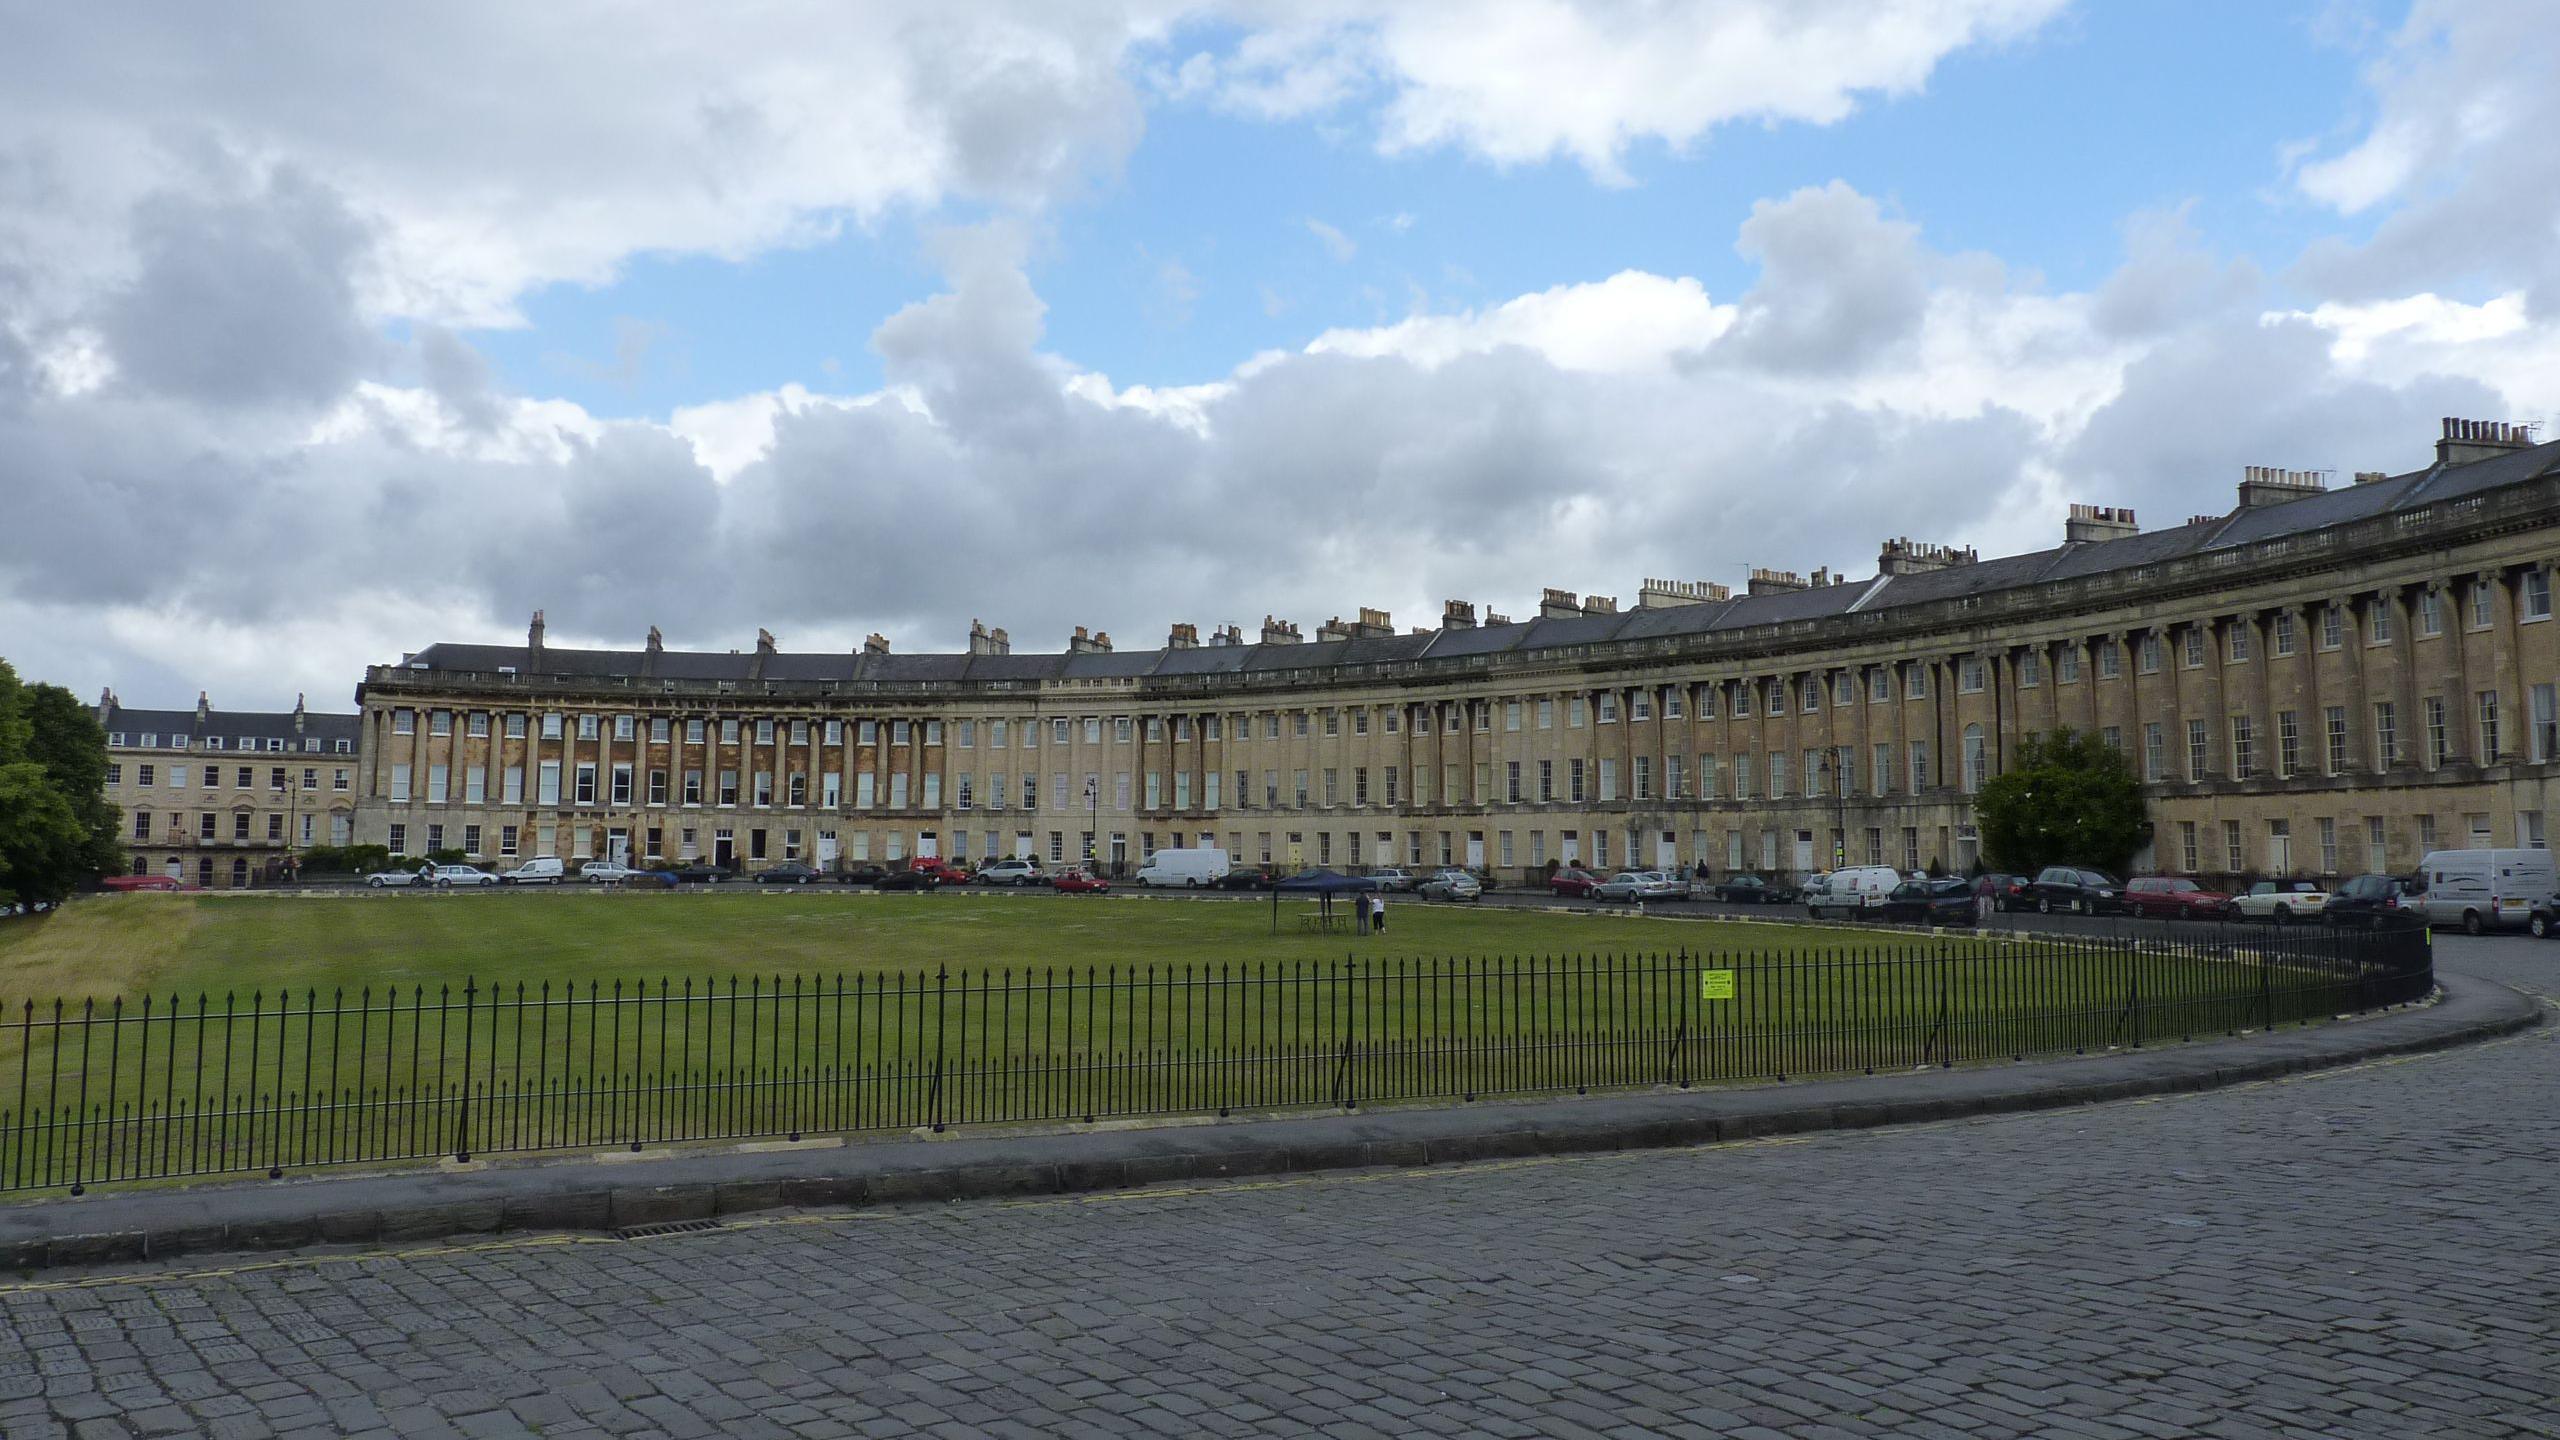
(327, 332)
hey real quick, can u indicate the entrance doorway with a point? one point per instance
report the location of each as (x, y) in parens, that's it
(724, 848)
(1804, 852)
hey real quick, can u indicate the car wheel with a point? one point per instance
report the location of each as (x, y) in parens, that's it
(2471, 924)
(2044, 904)
(2283, 915)
(2539, 927)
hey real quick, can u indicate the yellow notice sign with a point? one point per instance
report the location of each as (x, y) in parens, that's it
(1715, 985)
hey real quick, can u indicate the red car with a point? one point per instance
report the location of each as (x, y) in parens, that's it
(2168, 897)
(1077, 882)
(942, 871)
(1575, 884)
(137, 882)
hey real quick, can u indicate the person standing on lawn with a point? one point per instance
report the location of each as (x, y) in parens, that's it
(1377, 914)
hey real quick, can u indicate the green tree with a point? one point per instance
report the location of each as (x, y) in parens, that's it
(56, 829)
(67, 740)
(2071, 799)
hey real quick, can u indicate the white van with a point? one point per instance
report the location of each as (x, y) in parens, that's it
(540, 870)
(1853, 891)
(2483, 890)
(1184, 869)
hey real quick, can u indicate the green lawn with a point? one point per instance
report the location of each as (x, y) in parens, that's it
(318, 1031)
(162, 944)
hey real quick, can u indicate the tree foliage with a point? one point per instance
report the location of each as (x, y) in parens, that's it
(56, 828)
(2071, 799)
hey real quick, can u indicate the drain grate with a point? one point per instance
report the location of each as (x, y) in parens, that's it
(665, 1227)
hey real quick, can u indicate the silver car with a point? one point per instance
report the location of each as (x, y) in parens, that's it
(1639, 885)
(1451, 885)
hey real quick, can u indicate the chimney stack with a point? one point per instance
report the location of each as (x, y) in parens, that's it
(2367, 477)
(1279, 632)
(983, 641)
(1085, 642)
(533, 644)
(2091, 523)
(1558, 604)
(2265, 485)
(1333, 629)
(1491, 617)
(2466, 441)
(1185, 636)
(1373, 624)
(1599, 604)
(657, 642)
(999, 642)
(1458, 615)
(1904, 556)
(1664, 594)
(204, 707)
(1774, 582)
(1227, 635)
(875, 644)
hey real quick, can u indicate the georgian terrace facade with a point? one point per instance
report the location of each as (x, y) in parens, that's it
(225, 798)
(2322, 681)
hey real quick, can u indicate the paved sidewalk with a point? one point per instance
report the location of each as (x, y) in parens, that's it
(573, 1193)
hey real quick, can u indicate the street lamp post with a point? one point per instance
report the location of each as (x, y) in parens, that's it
(1840, 795)
(1092, 824)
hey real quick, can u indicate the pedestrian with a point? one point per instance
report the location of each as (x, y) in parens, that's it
(1378, 914)
(1360, 914)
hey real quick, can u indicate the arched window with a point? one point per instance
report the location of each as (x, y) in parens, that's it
(1974, 759)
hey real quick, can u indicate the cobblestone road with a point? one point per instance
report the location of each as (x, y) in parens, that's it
(2374, 1252)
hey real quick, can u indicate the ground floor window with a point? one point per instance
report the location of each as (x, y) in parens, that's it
(507, 840)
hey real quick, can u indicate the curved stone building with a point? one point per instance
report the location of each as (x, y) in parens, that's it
(2324, 680)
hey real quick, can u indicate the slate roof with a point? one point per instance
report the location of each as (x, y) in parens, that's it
(2342, 506)
(179, 728)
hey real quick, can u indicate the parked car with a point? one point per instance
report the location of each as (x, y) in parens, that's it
(1078, 882)
(1621, 887)
(1853, 891)
(2544, 921)
(2373, 901)
(1020, 870)
(2172, 897)
(911, 878)
(1450, 885)
(137, 882)
(1392, 877)
(1249, 877)
(606, 872)
(1754, 890)
(2070, 888)
(2007, 892)
(659, 879)
(1947, 900)
(863, 873)
(2282, 901)
(463, 877)
(394, 879)
(700, 872)
(1183, 869)
(2484, 890)
(540, 870)
(945, 872)
(1572, 883)
(789, 872)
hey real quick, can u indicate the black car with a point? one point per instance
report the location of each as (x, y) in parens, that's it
(699, 872)
(862, 875)
(1752, 890)
(789, 872)
(2007, 892)
(1247, 877)
(1947, 900)
(2070, 888)
(909, 880)
(2372, 901)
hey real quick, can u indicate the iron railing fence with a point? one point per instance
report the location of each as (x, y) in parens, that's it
(104, 1091)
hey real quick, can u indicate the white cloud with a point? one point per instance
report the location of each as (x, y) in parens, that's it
(1630, 323)
(1340, 246)
(2457, 162)
(1521, 81)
